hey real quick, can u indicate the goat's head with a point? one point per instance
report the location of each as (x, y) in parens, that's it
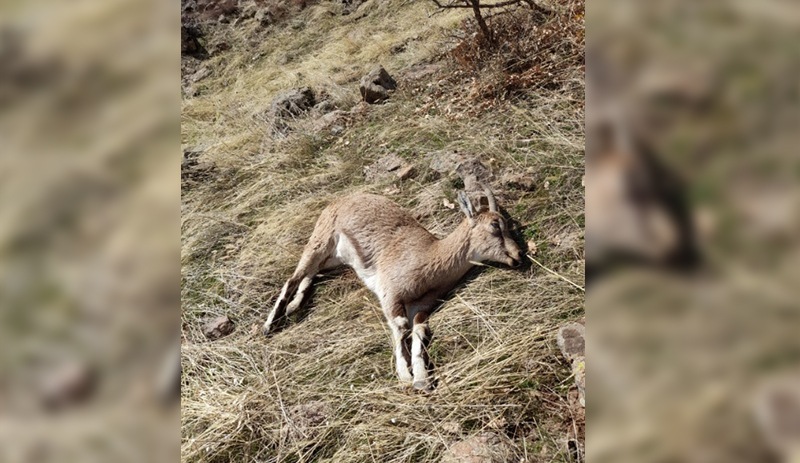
(489, 236)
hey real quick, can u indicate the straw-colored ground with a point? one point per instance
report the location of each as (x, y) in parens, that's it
(324, 388)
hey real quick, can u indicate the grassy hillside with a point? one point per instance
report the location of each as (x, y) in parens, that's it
(324, 388)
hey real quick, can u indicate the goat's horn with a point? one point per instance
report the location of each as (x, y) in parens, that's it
(490, 198)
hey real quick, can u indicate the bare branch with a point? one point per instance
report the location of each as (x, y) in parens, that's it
(491, 5)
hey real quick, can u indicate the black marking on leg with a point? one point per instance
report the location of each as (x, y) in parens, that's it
(280, 307)
(406, 340)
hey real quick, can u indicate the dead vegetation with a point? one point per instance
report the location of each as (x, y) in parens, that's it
(323, 388)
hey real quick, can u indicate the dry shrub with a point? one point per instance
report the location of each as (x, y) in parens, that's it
(532, 48)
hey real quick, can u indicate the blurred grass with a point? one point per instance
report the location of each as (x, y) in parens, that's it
(87, 273)
(678, 358)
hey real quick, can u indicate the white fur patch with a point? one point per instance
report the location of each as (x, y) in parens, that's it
(420, 372)
(347, 254)
(401, 322)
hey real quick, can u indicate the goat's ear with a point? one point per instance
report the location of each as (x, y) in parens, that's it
(466, 205)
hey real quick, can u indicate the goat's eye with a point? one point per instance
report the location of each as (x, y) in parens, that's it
(495, 228)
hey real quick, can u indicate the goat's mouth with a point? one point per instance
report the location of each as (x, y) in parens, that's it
(513, 263)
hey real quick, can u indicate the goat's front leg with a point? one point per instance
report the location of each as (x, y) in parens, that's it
(398, 322)
(419, 354)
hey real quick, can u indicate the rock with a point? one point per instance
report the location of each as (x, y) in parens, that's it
(67, 384)
(292, 103)
(289, 104)
(571, 340)
(518, 180)
(406, 172)
(218, 327)
(333, 121)
(376, 85)
(474, 174)
(201, 74)
(187, 6)
(385, 167)
(444, 162)
(190, 91)
(483, 448)
(264, 17)
(190, 42)
(324, 107)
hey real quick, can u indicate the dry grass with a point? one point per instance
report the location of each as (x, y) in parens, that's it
(323, 388)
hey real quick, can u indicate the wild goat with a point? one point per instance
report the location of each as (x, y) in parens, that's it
(406, 267)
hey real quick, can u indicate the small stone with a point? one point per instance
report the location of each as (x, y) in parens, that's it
(324, 106)
(475, 174)
(331, 120)
(218, 327)
(518, 180)
(376, 85)
(292, 102)
(263, 17)
(406, 172)
(571, 340)
(484, 448)
(201, 74)
(444, 162)
(384, 168)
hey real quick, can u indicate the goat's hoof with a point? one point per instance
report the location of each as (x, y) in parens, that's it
(405, 377)
(266, 330)
(422, 386)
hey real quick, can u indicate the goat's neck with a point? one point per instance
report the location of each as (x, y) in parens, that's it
(451, 255)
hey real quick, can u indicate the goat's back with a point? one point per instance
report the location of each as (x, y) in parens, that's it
(377, 225)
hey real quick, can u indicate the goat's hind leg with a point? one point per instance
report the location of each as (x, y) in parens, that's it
(420, 333)
(317, 252)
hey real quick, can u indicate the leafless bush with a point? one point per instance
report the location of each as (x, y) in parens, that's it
(530, 48)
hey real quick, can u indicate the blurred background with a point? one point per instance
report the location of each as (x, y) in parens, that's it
(89, 230)
(693, 220)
